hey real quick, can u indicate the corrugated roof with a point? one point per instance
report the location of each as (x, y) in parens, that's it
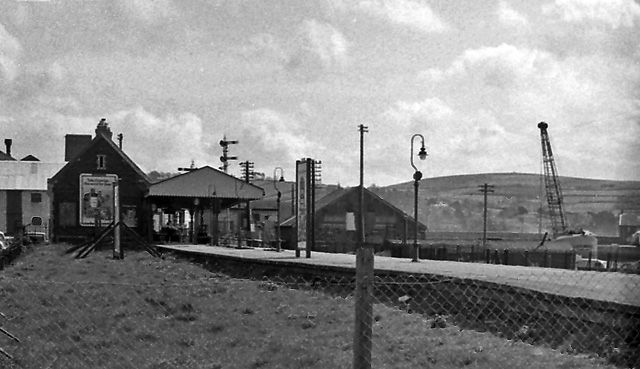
(26, 175)
(206, 182)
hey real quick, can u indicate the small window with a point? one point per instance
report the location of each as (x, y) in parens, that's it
(102, 162)
(36, 197)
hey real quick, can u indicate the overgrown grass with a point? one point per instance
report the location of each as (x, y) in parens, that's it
(143, 312)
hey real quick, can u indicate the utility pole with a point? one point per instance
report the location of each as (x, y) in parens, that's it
(247, 170)
(363, 129)
(363, 330)
(248, 173)
(485, 189)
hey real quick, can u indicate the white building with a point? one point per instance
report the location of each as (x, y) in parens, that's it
(23, 193)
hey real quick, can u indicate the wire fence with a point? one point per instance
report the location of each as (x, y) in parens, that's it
(145, 312)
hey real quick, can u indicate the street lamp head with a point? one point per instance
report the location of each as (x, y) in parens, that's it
(275, 171)
(423, 153)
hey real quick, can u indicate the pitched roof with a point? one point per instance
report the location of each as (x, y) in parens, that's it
(5, 157)
(115, 148)
(30, 158)
(337, 194)
(206, 182)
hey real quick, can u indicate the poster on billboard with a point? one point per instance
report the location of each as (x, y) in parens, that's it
(96, 199)
(301, 209)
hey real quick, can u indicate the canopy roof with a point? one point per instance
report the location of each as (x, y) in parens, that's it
(206, 183)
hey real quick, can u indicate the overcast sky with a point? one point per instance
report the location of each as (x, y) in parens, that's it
(292, 79)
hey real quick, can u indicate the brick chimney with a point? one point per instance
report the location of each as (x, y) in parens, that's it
(103, 129)
(7, 144)
(74, 144)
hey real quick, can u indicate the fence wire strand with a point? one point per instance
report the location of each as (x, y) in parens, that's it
(144, 312)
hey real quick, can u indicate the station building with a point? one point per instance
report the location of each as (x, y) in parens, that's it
(82, 191)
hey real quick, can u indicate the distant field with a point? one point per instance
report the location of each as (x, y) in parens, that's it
(142, 312)
(453, 203)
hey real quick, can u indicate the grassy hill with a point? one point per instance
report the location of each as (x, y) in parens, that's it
(455, 203)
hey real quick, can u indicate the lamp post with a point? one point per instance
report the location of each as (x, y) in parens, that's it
(417, 176)
(278, 204)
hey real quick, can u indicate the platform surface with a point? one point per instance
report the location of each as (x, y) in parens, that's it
(603, 286)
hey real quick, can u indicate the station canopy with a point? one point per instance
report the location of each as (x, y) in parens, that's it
(203, 187)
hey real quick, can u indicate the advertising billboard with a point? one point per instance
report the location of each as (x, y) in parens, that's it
(96, 199)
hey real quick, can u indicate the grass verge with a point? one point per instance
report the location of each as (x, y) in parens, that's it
(144, 312)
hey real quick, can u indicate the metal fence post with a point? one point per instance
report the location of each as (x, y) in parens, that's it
(364, 309)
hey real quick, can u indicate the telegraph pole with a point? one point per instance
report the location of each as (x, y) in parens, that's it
(363, 129)
(485, 189)
(247, 173)
(363, 331)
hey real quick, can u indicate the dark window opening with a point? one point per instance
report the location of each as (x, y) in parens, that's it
(102, 162)
(36, 197)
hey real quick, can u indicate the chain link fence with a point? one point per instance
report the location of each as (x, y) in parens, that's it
(197, 312)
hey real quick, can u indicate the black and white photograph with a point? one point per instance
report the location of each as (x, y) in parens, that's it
(216, 184)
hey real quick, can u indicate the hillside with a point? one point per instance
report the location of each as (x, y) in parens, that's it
(455, 203)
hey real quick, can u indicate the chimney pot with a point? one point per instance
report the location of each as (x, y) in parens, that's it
(103, 129)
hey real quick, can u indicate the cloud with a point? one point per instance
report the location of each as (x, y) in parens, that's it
(614, 13)
(274, 137)
(161, 142)
(456, 141)
(326, 42)
(38, 81)
(40, 131)
(509, 16)
(149, 12)
(578, 95)
(10, 51)
(264, 46)
(408, 13)
(429, 109)
(154, 142)
(315, 47)
(500, 66)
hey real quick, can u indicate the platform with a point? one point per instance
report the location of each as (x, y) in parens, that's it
(602, 286)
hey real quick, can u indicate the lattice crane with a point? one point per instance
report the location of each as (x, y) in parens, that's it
(552, 184)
